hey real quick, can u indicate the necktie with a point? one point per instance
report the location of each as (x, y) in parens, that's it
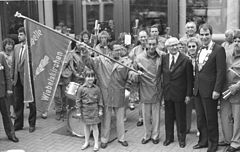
(172, 63)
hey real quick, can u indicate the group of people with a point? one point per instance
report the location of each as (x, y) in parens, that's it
(186, 73)
(13, 58)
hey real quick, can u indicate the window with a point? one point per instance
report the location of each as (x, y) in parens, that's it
(149, 12)
(221, 14)
(63, 15)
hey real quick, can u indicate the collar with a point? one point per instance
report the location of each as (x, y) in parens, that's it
(175, 56)
(209, 45)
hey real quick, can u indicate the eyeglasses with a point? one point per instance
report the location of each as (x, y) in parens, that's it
(236, 41)
(192, 46)
(173, 45)
(204, 34)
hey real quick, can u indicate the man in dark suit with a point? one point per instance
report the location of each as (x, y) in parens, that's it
(5, 89)
(177, 89)
(19, 57)
(209, 81)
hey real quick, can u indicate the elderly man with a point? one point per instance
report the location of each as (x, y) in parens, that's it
(225, 110)
(209, 81)
(112, 79)
(149, 62)
(103, 46)
(191, 31)
(137, 50)
(232, 104)
(177, 90)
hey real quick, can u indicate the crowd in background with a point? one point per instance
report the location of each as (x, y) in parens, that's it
(181, 74)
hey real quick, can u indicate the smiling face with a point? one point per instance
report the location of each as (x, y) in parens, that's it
(8, 47)
(151, 45)
(191, 28)
(192, 48)
(142, 37)
(85, 38)
(173, 45)
(205, 36)
(89, 80)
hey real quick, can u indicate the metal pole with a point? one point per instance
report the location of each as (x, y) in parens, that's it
(17, 14)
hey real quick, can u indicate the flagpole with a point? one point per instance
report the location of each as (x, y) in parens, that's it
(17, 14)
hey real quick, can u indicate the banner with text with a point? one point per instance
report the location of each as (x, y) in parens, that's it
(48, 51)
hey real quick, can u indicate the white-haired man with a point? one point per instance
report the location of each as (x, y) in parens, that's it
(177, 73)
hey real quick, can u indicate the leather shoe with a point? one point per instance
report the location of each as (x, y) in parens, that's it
(18, 128)
(167, 142)
(155, 141)
(223, 143)
(232, 149)
(144, 141)
(103, 145)
(139, 123)
(13, 139)
(198, 146)
(182, 144)
(32, 129)
(123, 143)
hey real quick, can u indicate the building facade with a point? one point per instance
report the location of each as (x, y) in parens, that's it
(75, 16)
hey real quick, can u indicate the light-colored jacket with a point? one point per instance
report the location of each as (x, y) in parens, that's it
(111, 77)
(150, 84)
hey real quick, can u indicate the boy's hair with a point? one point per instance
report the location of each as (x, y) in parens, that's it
(21, 30)
(205, 27)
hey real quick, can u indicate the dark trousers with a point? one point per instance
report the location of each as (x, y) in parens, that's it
(175, 110)
(7, 122)
(207, 122)
(19, 107)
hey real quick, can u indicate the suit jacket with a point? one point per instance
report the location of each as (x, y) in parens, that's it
(5, 81)
(178, 83)
(212, 76)
(16, 64)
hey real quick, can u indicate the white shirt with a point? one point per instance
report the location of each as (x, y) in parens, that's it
(175, 58)
(205, 52)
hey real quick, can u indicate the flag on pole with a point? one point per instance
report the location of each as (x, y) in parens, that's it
(48, 50)
(28, 89)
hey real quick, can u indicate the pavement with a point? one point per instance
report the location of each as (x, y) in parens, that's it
(45, 140)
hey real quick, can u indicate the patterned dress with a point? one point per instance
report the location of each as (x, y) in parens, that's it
(89, 100)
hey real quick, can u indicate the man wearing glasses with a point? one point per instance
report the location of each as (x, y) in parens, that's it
(209, 81)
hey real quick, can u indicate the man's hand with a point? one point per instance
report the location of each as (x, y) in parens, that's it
(100, 113)
(140, 72)
(215, 95)
(9, 92)
(187, 99)
(233, 89)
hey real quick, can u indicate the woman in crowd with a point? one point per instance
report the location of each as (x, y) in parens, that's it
(193, 46)
(8, 48)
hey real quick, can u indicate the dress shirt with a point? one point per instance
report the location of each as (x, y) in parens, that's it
(175, 58)
(204, 52)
